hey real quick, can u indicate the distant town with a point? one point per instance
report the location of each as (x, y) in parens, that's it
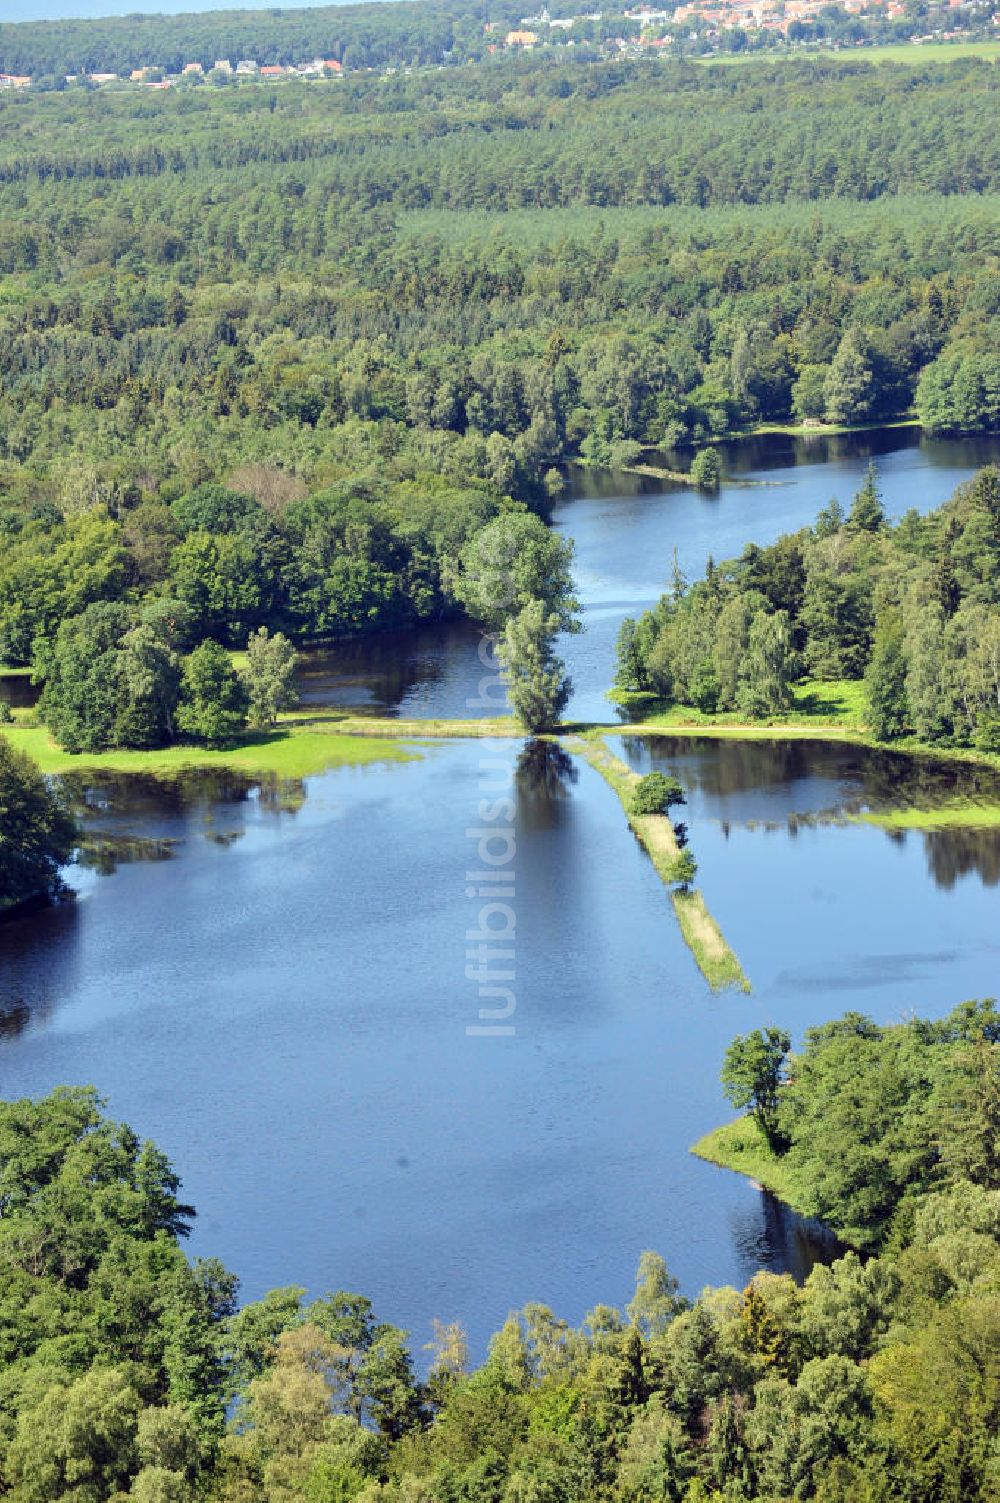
(693, 27)
(152, 77)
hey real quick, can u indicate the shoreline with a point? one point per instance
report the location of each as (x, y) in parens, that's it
(738, 1147)
(305, 743)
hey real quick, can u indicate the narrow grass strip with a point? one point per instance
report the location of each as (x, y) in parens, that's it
(702, 935)
(707, 942)
(288, 752)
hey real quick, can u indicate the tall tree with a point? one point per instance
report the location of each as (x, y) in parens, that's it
(885, 679)
(269, 677)
(753, 1072)
(37, 833)
(213, 705)
(536, 680)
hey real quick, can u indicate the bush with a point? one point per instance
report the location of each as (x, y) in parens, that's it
(683, 870)
(987, 737)
(655, 793)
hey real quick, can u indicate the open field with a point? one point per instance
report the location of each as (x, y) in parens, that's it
(290, 751)
(911, 53)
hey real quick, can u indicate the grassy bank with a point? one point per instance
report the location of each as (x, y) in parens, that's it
(819, 708)
(825, 430)
(742, 1147)
(291, 750)
(716, 961)
(424, 730)
(826, 710)
(706, 941)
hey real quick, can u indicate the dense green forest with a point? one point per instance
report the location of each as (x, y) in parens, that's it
(128, 1370)
(867, 1122)
(356, 34)
(276, 359)
(912, 610)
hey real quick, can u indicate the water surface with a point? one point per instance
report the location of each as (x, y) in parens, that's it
(280, 999)
(625, 528)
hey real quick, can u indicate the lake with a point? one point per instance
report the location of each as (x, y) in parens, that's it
(281, 1000)
(625, 528)
(272, 981)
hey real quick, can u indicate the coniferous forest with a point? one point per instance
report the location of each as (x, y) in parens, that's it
(273, 358)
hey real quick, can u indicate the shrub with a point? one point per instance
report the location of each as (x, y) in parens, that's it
(655, 794)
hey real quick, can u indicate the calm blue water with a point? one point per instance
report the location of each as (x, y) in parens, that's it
(845, 912)
(625, 529)
(283, 1005)
(282, 1000)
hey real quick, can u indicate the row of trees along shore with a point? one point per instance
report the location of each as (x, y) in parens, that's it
(131, 1372)
(127, 661)
(911, 611)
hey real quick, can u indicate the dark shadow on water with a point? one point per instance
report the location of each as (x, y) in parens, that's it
(18, 691)
(39, 963)
(774, 1237)
(543, 782)
(211, 801)
(786, 786)
(105, 853)
(954, 854)
(544, 770)
(393, 672)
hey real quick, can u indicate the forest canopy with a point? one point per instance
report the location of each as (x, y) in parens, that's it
(911, 610)
(130, 1370)
(274, 360)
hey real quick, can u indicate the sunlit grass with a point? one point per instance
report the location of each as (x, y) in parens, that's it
(290, 751)
(655, 832)
(716, 959)
(742, 1147)
(913, 53)
(837, 706)
(960, 814)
